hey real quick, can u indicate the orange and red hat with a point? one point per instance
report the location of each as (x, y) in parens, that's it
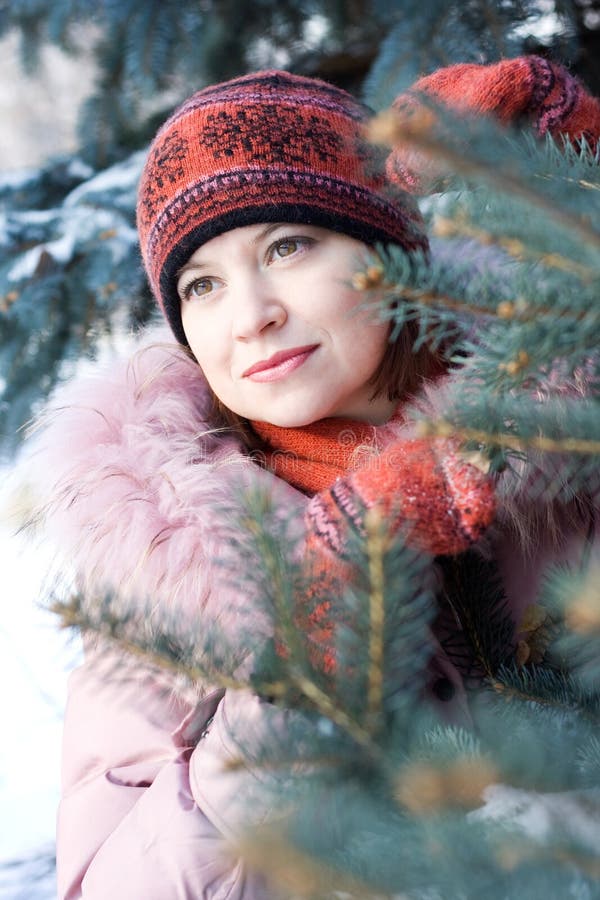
(265, 147)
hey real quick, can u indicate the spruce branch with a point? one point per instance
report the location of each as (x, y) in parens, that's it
(166, 655)
(460, 227)
(302, 873)
(474, 594)
(418, 298)
(551, 690)
(375, 548)
(324, 705)
(391, 127)
(443, 428)
(426, 789)
(435, 299)
(514, 310)
(278, 576)
(511, 855)
(169, 655)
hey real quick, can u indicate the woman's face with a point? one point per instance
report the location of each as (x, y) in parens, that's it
(270, 314)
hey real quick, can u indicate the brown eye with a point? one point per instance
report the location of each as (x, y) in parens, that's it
(286, 247)
(199, 287)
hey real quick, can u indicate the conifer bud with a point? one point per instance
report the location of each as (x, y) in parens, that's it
(583, 612)
(393, 125)
(444, 228)
(7, 301)
(427, 788)
(375, 275)
(360, 281)
(371, 278)
(515, 365)
(443, 429)
(505, 310)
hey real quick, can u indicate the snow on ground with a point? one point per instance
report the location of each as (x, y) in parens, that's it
(35, 657)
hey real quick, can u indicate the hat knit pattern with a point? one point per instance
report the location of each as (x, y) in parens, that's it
(266, 147)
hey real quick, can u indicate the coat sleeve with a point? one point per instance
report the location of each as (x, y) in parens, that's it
(128, 825)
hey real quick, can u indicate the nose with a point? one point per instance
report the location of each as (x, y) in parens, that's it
(257, 308)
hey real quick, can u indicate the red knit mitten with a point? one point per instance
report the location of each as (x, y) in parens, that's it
(424, 489)
(528, 90)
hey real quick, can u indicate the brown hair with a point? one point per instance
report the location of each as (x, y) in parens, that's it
(402, 368)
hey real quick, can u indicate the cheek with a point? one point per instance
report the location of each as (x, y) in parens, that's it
(204, 342)
(215, 371)
(363, 337)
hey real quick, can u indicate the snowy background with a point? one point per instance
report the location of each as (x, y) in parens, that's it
(34, 660)
(38, 117)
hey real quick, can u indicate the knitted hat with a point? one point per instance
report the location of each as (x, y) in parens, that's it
(266, 147)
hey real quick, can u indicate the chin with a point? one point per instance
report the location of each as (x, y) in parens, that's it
(292, 418)
(290, 421)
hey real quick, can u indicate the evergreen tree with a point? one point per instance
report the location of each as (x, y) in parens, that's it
(511, 296)
(69, 267)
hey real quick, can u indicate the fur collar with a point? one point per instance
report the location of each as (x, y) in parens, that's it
(136, 487)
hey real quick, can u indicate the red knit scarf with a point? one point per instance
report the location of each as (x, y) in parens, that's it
(313, 456)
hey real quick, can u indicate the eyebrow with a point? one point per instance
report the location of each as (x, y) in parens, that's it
(191, 267)
(206, 264)
(267, 230)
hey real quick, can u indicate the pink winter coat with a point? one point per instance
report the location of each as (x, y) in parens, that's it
(139, 489)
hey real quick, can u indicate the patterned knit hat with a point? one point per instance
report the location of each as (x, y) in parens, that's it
(266, 147)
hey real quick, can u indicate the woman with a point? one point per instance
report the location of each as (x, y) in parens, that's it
(258, 203)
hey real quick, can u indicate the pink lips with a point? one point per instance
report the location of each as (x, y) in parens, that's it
(280, 364)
